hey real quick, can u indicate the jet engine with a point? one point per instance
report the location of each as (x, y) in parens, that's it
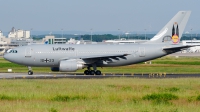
(70, 66)
(55, 69)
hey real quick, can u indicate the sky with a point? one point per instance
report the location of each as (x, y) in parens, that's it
(95, 15)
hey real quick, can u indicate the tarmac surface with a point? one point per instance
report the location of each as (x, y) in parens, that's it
(82, 76)
(196, 54)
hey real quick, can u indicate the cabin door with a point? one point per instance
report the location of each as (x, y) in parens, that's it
(28, 52)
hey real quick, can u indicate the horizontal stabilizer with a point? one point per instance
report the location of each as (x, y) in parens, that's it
(170, 50)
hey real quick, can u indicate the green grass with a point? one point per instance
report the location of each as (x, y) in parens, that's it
(67, 98)
(105, 95)
(100, 95)
(5, 97)
(159, 98)
(198, 98)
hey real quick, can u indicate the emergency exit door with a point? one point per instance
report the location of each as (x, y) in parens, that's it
(142, 52)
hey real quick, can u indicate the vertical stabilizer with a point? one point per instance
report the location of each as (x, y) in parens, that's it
(173, 30)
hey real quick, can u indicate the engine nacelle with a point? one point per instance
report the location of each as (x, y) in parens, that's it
(55, 69)
(70, 66)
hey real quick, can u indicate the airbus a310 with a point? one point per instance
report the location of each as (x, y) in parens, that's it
(69, 58)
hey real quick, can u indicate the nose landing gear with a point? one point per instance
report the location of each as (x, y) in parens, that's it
(30, 72)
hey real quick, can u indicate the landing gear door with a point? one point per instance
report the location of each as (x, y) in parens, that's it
(142, 52)
(28, 52)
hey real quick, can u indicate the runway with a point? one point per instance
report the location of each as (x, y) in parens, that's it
(81, 76)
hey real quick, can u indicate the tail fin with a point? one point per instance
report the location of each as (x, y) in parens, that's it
(173, 30)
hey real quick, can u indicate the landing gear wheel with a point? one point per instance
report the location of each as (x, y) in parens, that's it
(87, 72)
(30, 72)
(92, 72)
(98, 72)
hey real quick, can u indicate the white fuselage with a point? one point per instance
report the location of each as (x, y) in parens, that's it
(102, 55)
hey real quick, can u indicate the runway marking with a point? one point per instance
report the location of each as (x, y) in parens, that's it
(83, 76)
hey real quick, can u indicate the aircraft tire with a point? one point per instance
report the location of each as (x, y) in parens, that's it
(98, 72)
(87, 72)
(30, 72)
(92, 72)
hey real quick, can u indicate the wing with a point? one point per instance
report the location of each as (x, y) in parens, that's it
(89, 59)
(103, 56)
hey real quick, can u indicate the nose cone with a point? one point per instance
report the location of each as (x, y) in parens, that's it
(7, 57)
(11, 57)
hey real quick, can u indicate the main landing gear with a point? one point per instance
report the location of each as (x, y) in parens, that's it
(92, 72)
(30, 72)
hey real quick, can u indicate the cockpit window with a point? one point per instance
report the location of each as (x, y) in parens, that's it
(8, 50)
(11, 51)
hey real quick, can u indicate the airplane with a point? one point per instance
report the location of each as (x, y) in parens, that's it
(72, 57)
